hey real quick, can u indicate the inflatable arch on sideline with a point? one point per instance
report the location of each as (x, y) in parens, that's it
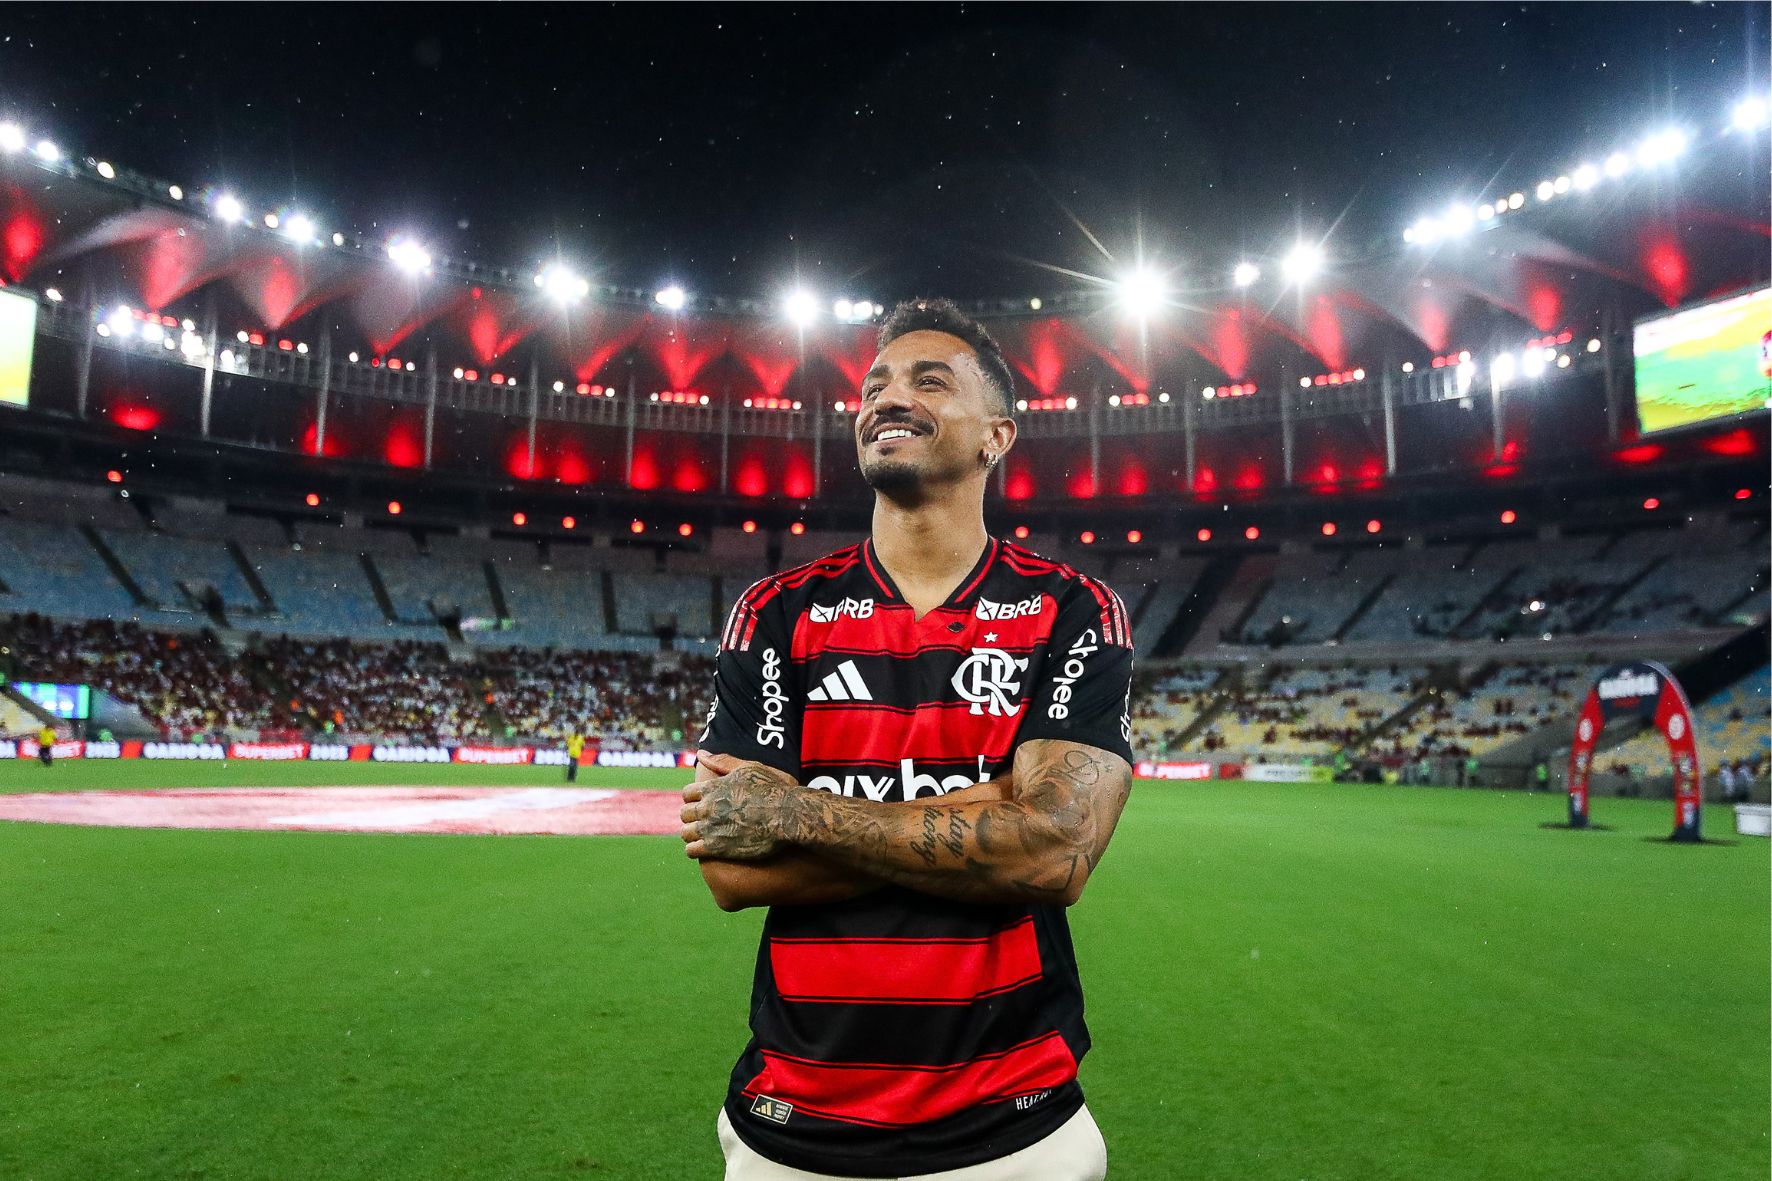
(1646, 690)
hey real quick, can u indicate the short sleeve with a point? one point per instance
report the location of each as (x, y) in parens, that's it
(1084, 689)
(756, 710)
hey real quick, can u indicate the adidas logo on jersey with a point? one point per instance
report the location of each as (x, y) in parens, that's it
(843, 685)
(854, 608)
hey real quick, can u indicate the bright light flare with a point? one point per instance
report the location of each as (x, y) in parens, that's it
(409, 256)
(801, 308)
(672, 298)
(1246, 274)
(12, 138)
(1141, 293)
(47, 152)
(1748, 115)
(1303, 262)
(228, 208)
(1661, 148)
(299, 228)
(561, 285)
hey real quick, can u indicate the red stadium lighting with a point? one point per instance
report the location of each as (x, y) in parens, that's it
(116, 477)
(519, 519)
(749, 526)
(685, 529)
(1134, 536)
(1252, 533)
(1204, 535)
(1328, 528)
(313, 499)
(1021, 531)
(1087, 538)
(796, 528)
(393, 508)
(1744, 494)
(1374, 525)
(568, 522)
(1508, 516)
(1651, 504)
(636, 526)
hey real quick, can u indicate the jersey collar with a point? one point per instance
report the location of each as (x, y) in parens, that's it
(962, 593)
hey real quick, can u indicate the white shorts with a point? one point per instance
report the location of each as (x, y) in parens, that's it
(1075, 1152)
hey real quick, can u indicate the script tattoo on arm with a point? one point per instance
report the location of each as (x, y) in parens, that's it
(1040, 845)
(730, 826)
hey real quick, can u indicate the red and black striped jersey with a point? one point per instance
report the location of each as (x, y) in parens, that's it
(900, 1033)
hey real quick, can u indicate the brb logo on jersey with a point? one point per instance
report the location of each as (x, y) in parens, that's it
(775, 701)
(1032, 605)
(989, 678)
(853, 608)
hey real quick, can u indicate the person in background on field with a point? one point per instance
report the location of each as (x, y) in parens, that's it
(1726, 780)
(46, 745)
(575, 749)
(1541, 775)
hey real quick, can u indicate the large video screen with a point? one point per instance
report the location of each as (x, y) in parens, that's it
(73, 702)
(18, 333)
(1706, 362)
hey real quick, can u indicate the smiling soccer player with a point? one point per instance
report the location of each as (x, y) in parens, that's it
(918, 750)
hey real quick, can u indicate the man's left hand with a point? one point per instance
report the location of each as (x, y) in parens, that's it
(736, 817)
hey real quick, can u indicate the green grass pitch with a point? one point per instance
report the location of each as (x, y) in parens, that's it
(1285, 983)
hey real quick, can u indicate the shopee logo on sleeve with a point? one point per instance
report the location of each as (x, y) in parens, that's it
(1063, 684)
(770, 731)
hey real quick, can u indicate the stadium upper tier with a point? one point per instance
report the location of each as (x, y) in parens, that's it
(1500, 346)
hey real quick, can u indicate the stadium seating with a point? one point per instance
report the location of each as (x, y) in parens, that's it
(53, 570)
(321, 593)
(171, 570)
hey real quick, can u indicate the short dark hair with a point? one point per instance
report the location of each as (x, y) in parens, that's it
(942, 315)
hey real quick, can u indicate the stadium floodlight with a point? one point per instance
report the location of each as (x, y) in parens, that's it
(671, 298)
(12, 138)
(121, 320)
(1748, 115)
(800, 307)
(1485, 212)
(1034, 304)
(1584, 178)
(842, 309)
(52, 294)
(228, 208)
(1302, 263)
(338, 239)
(1661, 147)
(409, 256)
(1617, 164)
(1141, 293)
(47, 152)
(104, 169)
(1246, 274)
(561, 285)
(175, 192)
(865, 309)
(1546, 190)
(1532, 362)
(272, 221)
(299, 228)
(1460, 219)
(1501, 369)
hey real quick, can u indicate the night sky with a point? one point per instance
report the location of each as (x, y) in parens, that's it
(874, 151)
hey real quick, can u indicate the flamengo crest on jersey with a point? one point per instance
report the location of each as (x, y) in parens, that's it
(988, 677)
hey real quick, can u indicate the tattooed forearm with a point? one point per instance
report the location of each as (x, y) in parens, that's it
(1040, 845)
